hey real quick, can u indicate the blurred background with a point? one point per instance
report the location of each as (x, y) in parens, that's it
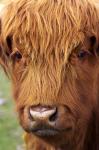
(10, 130)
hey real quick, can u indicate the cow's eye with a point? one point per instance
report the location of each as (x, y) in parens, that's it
(16, 55)
(82, 54)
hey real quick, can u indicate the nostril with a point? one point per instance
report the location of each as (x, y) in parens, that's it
(53, 117)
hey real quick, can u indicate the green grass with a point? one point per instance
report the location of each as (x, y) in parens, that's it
(10, 131)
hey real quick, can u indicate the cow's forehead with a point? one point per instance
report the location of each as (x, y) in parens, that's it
(48, 27)
(61, 53)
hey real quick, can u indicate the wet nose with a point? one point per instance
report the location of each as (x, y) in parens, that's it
(43, 113)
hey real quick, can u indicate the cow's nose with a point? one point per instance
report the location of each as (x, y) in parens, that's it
(43, 113)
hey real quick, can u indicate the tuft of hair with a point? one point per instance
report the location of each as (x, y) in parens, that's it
(49, 27)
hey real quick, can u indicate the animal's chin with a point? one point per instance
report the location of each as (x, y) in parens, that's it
(56, 137)
(53, 137)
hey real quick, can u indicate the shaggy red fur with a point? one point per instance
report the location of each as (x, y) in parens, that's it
(50, 51)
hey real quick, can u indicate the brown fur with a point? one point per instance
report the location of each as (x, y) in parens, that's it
(49, 34)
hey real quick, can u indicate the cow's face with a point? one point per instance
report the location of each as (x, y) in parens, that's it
(54, 69)
(57, 100)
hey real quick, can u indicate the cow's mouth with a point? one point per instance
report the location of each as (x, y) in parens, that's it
(45, 132)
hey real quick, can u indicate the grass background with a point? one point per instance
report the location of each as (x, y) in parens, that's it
(10, 130)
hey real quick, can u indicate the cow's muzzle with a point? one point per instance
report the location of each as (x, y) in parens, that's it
(48, 120)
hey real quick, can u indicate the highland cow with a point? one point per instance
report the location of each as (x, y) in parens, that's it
(50, 51)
